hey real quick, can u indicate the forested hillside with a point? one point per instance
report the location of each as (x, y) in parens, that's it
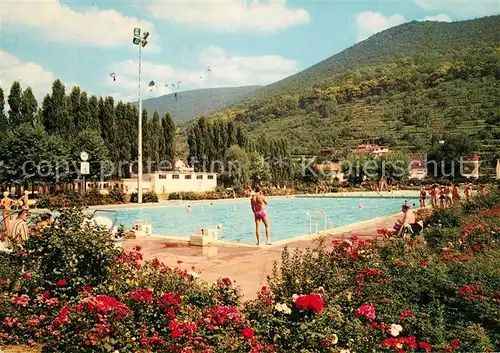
(187, 105)
(408, 86)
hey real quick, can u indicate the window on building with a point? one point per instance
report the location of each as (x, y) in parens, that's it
(163, 176)
(187, 176)
(175, 176)
(210, 177)
(199, 177)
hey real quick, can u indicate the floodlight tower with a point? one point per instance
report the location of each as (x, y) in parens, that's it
(141, 42)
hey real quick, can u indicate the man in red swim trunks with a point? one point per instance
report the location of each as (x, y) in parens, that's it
(258, 201)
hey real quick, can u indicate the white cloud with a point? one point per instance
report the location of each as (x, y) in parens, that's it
(231, 15)
(27, 73)
(59, 23)
(463, 8)
(439, 18)
(370, 22)
(226, 70)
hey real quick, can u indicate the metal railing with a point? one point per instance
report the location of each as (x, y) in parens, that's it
(327, 221)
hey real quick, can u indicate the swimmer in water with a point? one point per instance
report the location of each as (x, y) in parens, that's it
(234, 208)
(188, 209)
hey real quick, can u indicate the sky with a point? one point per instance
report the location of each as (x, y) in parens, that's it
(192, 44)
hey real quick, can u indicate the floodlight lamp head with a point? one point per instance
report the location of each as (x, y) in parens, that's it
(137, 41)
(145, 35)
(144, 43)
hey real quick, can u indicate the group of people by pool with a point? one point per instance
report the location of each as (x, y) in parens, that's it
(441, 197)
(445, 196)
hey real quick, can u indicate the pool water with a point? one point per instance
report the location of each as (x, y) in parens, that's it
(288, 217)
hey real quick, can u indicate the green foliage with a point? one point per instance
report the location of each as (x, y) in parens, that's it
(4, 122)
(447, 218)
(15, 103)
(56, 118)
(29, 107)
(73, 250)
(24, 148)
(147, 197)
(167, 142)
(186, 195)
(238, 166)
(435, 294)
(394, 87)
(108, 133)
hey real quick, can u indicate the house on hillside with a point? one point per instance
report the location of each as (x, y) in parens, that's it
(377, 150)
(470, 167)
(418, 169)
(330, 169)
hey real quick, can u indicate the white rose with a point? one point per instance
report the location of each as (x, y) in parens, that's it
(287, 310)
(294, 297)
(193, 274)
(278, 307)
(335, 339)
(395, 330)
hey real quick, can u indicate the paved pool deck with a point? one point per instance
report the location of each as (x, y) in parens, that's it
(247, 265)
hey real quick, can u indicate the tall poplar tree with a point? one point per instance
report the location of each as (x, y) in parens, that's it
(4, 122)
(83, 117)
(168, 129)
(94, 122)
(108, 128)
(56, 117)
(154, 135)
(29, 106)
(14, 100)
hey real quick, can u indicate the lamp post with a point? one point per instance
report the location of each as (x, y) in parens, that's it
(141, 42)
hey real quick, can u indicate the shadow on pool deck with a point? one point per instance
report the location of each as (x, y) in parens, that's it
(247, 266)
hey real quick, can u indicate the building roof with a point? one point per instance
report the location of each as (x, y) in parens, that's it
(327, 167)
(417, 162)
(370, 148)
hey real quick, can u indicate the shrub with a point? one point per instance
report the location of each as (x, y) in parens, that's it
(188, 196)
(449, 217)
(147, 197)
(116, 195)
(69, 255)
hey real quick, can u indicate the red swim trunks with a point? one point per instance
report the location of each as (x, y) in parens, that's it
(260, 214)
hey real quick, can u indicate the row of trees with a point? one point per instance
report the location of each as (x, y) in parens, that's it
(224, 148)
(43, 143)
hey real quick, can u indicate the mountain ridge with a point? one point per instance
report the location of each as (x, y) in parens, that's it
(192, 103)
(408, 86)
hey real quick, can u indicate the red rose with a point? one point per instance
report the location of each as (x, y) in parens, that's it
(46, 294)
(367, 311)
(62, 283)
(27, 276)
(425, 346)
(247, 333)
(310, 302)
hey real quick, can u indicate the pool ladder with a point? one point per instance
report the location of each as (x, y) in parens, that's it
(327, 220)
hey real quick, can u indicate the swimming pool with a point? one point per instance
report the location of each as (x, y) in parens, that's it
(288, 217)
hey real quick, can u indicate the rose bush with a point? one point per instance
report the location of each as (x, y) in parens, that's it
(439, 292)
(71, 290)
